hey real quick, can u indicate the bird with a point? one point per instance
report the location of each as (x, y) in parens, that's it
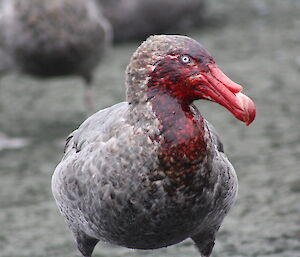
(55, 38)
(151, 171)
(137, 19)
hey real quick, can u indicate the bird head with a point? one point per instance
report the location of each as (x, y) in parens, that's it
(181, 67)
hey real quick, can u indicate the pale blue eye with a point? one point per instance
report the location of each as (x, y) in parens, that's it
(185, 59)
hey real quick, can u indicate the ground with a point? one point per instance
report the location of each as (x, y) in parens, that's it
(257, 44)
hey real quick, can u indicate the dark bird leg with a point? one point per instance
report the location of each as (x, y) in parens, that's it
(88, 94)
(85, 243)
(204, 243)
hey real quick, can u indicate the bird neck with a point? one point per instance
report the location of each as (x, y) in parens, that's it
(182, 136)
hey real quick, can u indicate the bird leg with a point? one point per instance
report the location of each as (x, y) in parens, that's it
(85, 243)
(204, 243)
(88, 94)
(88, 100)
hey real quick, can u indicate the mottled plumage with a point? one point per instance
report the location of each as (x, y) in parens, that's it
(131, 174)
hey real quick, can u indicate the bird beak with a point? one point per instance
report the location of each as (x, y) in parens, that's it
(215, 86)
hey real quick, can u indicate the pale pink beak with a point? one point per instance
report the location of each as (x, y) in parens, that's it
(216, 86)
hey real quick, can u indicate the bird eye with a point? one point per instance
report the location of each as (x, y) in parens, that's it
(185, 59)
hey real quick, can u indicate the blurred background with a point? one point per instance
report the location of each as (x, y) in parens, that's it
(256, 43)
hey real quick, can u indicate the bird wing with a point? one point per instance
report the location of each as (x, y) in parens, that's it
(89, 148)
(89, 157)
(99, 127)
(105, 163)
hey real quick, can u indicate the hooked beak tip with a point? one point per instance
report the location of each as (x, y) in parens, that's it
(248, 108)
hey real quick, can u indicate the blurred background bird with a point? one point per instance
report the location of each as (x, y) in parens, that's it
(137, 19)
(53, 38)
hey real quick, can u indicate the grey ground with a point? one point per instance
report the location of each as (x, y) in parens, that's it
(257, 44)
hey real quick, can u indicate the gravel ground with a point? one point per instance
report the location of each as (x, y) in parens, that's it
(257, 43)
